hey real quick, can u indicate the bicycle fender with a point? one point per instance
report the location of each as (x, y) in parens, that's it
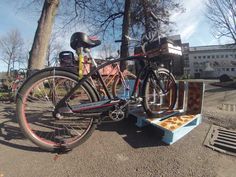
(51, 69)
(76, 75)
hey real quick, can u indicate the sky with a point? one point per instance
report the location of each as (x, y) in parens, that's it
(192, 25)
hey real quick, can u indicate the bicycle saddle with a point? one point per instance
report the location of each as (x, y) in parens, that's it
(80, 39)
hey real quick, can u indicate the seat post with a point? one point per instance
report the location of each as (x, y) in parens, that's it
(94, 63)
(78, 51)
(80, 62)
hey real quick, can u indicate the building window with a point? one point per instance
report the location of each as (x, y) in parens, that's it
(205, 56)
(199, 57)
(232, 69)
(226, 56)
(213, 56)
(217, 56)
(208, 56)
(222, 56)
(227, 69)
(195, 57)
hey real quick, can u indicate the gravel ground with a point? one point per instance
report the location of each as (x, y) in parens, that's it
(121, 149)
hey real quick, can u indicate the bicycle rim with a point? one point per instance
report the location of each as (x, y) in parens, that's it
(38, 122)
(160, 95)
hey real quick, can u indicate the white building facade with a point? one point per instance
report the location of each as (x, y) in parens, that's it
(211, 61)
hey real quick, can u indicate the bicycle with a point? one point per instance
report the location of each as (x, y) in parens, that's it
(18, 80)
(113, 77)
(11, 85)
(71, 119)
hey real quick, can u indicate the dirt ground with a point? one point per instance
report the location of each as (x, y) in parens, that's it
(122, 149)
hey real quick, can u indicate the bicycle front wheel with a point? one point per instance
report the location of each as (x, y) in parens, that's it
(35, 105)
(160, 92)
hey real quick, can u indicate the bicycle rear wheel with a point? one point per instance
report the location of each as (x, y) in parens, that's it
(159, 93)
(35, 105)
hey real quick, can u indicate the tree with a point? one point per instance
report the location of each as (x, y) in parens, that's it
(11, 46)
(54, 48)
(106, 14)
(39, 48)
(124, 48)
(222, 14)
(135, 16)
(38, 52)
(143, 12)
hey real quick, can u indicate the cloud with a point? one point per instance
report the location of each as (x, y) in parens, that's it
(189, 30)
(189, 22)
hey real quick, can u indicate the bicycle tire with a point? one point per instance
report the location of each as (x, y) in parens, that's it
(154, 101)
(117, 86)
(34, 128)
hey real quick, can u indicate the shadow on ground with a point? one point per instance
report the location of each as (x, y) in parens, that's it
(10, 133)
(148, 136)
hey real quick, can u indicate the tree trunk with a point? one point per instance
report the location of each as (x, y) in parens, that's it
(39, 48)
(8, 68)
(125, 31)
(145, 12)
(9, 64)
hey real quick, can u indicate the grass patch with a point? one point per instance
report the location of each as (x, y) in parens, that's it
(6, 96)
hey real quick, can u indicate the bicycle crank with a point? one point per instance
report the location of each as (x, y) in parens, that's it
(117, 115)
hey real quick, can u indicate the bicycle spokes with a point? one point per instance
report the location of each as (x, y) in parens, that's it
(39, 104)
(160, 93)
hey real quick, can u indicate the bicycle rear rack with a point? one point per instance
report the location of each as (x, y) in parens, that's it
(186, 115)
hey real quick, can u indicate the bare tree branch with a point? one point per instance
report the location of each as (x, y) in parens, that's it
(222, 14)
(11, 47)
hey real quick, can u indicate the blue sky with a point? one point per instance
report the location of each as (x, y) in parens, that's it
(11, 18)
(192, 25)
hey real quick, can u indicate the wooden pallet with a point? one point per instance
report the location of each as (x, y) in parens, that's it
(185, 116)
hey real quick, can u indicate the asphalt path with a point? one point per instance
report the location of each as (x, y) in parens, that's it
(114, 149)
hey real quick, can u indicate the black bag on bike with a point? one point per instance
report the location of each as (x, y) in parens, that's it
(67, 59)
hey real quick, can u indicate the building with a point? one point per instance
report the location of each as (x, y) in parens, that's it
(185, 59)
(177, 61)
(210, 61)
